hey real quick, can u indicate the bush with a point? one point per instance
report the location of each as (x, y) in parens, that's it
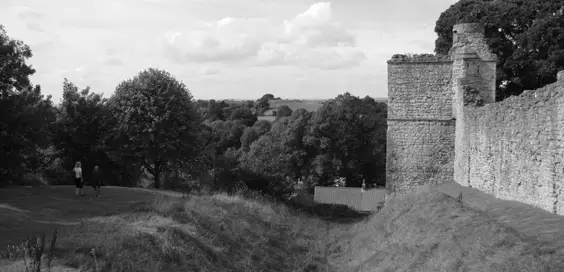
(31, 179)
(55, 174)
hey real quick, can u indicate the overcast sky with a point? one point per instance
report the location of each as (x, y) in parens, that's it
(223, 48)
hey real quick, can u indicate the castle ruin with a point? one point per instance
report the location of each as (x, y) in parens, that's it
(444, 125)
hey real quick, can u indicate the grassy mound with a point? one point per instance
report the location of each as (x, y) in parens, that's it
(430, 231)
(208, 233)
(424, 231)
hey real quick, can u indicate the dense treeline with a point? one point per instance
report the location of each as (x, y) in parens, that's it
(526, 36)
(152, 130)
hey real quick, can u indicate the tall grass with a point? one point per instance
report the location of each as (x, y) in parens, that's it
(33, 251)
(219, 232)
(423, 231)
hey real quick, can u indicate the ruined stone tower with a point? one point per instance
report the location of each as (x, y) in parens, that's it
(426, 99)
(474, 66)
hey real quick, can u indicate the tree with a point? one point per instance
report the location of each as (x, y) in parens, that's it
(14, 71)
(269, 161)
(226, 134)
(283, 111)
(279, 157)
(248, 137)
(243, 114)
(262, 127)
(25, 114)
(348, 134)
(157, 120)
(263, 104)
(82, 124)
(526, 35)
(250, 104)
(215, 110)
(25, 117)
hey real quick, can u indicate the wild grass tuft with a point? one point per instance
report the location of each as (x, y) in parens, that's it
(36, 256)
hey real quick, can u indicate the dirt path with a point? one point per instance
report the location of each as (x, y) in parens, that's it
(26, 210)
(526, 219)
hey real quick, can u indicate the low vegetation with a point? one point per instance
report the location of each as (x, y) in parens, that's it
(424, 231)
(217, 232)
(430, 231)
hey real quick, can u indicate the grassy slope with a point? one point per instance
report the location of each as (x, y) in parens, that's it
(430, 231)
(132, 230)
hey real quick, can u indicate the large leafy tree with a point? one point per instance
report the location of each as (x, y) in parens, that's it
(25, 114)
(348, 134)
(526, 35)
(215, 110)
(270, 162)
(283, 111)
(249, 136)
(227, 134)
(262, 103)
(280, 156)
(262, 127)
(82, 124)
(157, 120)
(243, 114)
(14, 71)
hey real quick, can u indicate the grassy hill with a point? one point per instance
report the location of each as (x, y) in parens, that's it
(432, 231)
(143, 230)
(140, 230)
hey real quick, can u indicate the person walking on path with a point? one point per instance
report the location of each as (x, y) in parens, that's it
(96, 180)
(77, 171)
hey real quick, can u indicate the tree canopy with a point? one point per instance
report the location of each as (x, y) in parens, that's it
(25, 114)
(283, 111)
(151, 130)
(157, 119)
(526, 35)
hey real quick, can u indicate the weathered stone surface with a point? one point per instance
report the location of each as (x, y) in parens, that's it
(469, 38)
(425, 58)
(419, 90)
(419, 153)
(513, 150)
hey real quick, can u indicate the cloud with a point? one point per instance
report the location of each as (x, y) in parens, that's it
(299, 55)
(113, 61)
(30, 16)
(26, 13)
(310, 39)
(228, 39)
(34, 27)
(315, 28)
(427, 45)
(208, 71)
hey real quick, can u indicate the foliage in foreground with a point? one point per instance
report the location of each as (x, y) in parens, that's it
(35, 254)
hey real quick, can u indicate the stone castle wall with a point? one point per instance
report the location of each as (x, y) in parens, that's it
(420, 145)
(444, 126)
(514, 149)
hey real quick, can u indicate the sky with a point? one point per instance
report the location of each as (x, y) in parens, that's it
(223, 49)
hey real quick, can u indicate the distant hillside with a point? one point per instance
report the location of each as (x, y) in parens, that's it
(237, 102)
(295, 104)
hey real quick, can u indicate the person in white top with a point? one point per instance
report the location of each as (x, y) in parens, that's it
(78, 178)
